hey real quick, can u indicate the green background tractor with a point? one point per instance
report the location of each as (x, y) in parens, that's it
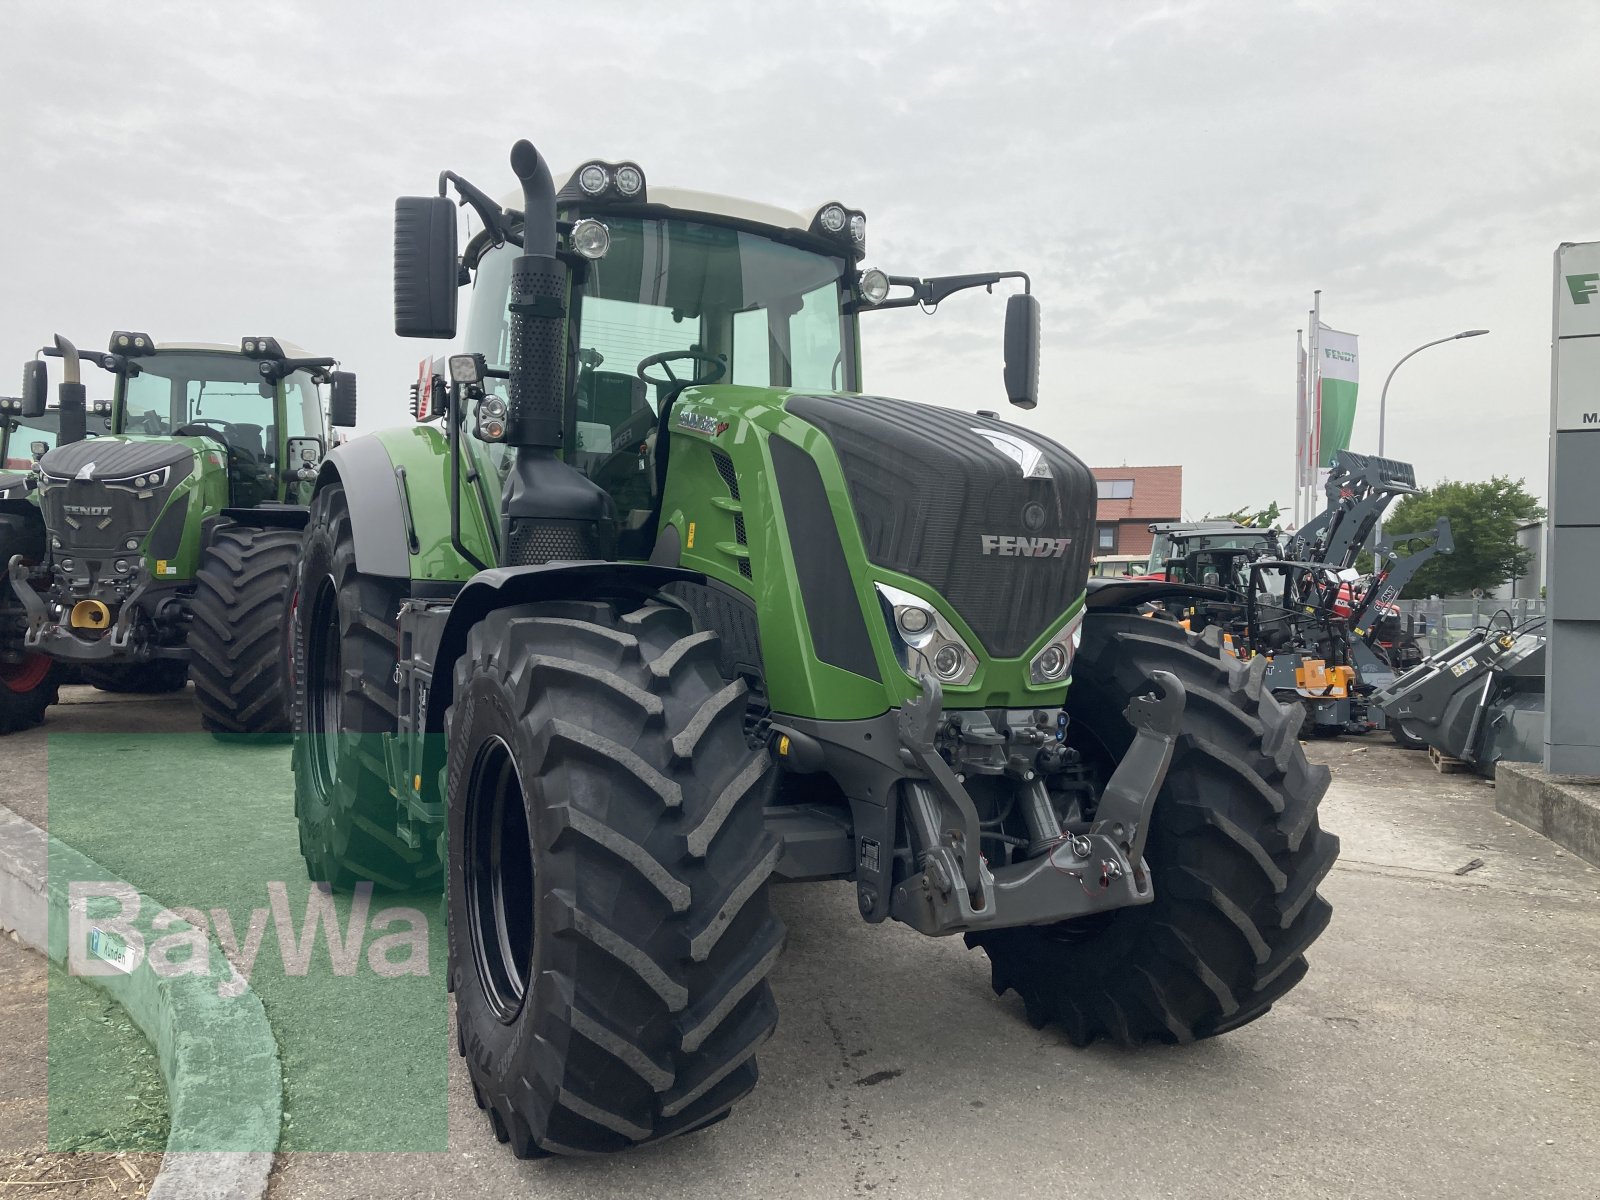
(668, 609)
(170, 537)
(28, 682)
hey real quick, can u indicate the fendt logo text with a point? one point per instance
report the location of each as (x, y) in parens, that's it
(1582, 287)
(1024, 547)
(87, 510)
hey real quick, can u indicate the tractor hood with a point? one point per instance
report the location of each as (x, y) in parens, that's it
(998, 519)
(115, 458)
(99, 495)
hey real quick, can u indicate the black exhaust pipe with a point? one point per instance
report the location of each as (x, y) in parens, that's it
(549, 510)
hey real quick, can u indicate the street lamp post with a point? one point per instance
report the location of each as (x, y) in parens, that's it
(1383, 399)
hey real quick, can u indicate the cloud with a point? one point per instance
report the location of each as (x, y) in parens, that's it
(1176, 177)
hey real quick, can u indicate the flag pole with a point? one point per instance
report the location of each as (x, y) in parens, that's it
(1299, 420)
(1314, 404)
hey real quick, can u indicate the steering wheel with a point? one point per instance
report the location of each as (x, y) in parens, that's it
(221, 427)
(661, 360)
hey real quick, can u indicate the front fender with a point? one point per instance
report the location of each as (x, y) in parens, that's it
(377, 508)
(500, 587)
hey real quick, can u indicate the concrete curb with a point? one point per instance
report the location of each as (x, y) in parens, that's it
(219, 1056)
(1565, 808)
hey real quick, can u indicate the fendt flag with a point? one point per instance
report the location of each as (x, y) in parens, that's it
(1336, 393)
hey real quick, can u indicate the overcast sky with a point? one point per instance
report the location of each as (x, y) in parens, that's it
(1177, 178)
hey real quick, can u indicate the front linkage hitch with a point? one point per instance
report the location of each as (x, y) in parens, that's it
(954, 889)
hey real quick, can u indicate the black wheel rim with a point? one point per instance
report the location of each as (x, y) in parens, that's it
(324, 673)
(498, 862)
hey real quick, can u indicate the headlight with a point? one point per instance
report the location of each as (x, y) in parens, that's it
(593, 179)
(923, 640)
(140, 482)
(1053, 664)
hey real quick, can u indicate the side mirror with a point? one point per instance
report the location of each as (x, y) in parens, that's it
(426, 270)
(35, 388)
(342, 402)
(38, 449)
(1022, 350)
(304, 455)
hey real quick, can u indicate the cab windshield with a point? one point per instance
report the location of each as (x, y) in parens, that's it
(770, 313)
(218, 395)
(20, 433)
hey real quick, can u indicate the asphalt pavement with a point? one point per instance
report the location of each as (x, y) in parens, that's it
(1445, 1043)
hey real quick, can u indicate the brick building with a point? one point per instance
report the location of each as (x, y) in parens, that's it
(1130, 498)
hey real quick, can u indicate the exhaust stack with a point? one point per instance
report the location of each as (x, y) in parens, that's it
(548, 510)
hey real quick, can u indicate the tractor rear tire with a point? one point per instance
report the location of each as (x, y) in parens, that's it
(346, 648)
(1404, 737)
(610, 972)
(1235, 855)
(31, 685)
(27, 688)
(153, 678)
(239, 635)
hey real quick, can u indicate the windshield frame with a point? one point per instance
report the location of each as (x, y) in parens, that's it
(309, 401)
(481, 247)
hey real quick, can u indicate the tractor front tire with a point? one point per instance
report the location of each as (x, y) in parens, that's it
(609, 931)
(27, 688)
(153, 678)
(1235, 855)
(239, 635)
(346, 648)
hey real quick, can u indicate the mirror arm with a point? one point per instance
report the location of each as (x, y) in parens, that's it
(494, 217)
(930, 293)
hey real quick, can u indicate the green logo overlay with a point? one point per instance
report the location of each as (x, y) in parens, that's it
(352, 983)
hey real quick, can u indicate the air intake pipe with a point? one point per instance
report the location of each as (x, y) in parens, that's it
(549, 510)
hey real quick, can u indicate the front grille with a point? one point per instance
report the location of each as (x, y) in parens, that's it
(532, 542)
(96, 516)
(927, 490)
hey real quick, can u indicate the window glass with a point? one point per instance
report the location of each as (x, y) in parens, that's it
(1107, 538)
(23, 432)
(222, 393)
(1114, 489)
(752, 348)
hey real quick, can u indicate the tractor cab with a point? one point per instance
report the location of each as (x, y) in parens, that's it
(258, 403)
(685, 296)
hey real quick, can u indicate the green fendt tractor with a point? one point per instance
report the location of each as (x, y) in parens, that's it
(164, 548)
(668, 609)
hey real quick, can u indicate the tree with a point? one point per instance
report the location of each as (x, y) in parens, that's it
(1260, 518)
(1483, 522)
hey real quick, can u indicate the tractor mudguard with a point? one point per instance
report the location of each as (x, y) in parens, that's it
(377, 509)
(499, 587)
(271, 516)
(1111, 592)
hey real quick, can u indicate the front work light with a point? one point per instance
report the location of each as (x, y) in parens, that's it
(261, 347)
(593, 179)
(466, 368)
(126, 343)
(874, 285)
(832, 218)
(590, 238)
(630, 180)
